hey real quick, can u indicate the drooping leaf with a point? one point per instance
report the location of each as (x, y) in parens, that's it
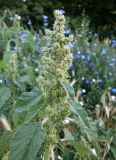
(27, 100)
(79, 110)
(70, 90)
(86, 125)
(5, 94)
(27, 141)
(80, 148)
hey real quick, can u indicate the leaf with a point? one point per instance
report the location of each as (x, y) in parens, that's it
(113, 150)
(79, 110)
(5, 94)
(27, 100)
(85, 123)
(68, 154)
(70, 90)
(27, 141)
(5, 140)
(68, 135)
(34, 110)
(80, 148)
(6, 59)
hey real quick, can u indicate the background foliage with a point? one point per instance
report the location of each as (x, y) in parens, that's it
(102, 13)
(92, 74)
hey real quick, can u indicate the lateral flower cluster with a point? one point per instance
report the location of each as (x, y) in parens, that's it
(57, 57)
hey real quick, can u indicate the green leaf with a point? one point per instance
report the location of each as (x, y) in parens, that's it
(79, 110)
(113, 150)
(5, 140)
(27, 141)
(70, 90)
(5, 94)
(85, 123)
(80, 148)
(27, 100)
(6, 59)
(34, 110)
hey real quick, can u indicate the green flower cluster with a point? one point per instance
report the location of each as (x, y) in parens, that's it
(56, 59)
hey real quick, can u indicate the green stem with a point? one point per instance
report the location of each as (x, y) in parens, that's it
(52, 153)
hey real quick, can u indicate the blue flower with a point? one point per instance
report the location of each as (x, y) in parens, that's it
(29, 22)
(62, 11)
(7, 81)
(88, 51)
(110, 64)
(71, 45)
(96, 72)
(87, 81)
(83, 57)
(113, 59)
(37, 48)
(113, 90)
(45, 17)
(104, 52)
(105, 76)
(110, 73)
(45, 24)
(100, 80)
(68, 31)
(88, 58)
(91, 64)
(76, 56)
(113, 43)
(85, 61)
(24, 37)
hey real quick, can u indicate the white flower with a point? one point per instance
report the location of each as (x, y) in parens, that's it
(83, 91)
(93, 80)
(1, 81)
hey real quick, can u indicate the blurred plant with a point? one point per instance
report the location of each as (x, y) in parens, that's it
(93, 77)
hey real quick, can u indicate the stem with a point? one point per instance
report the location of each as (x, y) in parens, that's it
(52, 153)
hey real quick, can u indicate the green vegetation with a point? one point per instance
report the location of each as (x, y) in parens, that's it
(49, 119)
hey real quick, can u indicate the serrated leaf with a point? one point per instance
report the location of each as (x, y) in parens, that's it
(5, 94)
(27, 141)
(5, 140)
(79, 110)
(27, 100)
(34, 110)
(87, 126)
